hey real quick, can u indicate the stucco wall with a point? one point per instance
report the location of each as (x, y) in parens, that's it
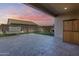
(59, 23)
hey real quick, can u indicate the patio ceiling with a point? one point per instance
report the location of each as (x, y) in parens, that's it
(57, 9)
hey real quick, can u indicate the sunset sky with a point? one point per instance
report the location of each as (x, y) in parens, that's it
(24, 12)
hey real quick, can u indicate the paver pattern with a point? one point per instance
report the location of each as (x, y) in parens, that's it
(36, 45)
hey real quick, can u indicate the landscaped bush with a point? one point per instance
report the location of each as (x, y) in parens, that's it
(10, 34)
(2, 35)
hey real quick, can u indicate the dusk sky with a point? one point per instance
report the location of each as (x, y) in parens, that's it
(24, 12)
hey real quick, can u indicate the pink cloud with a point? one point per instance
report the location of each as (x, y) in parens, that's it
(27, 13)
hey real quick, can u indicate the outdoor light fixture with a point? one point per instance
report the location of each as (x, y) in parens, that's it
(65, 8)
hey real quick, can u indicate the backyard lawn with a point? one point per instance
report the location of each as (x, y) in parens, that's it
(12, 34)
(45, 33)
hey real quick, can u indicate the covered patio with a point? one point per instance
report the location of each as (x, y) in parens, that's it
(36, 45)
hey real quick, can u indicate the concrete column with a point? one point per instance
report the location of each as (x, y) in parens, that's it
(58, 28)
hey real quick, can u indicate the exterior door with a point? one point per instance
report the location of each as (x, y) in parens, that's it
(71, 31)
(76, 31)
(68, 31)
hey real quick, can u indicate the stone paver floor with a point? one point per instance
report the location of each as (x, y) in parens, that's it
(36, 45)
